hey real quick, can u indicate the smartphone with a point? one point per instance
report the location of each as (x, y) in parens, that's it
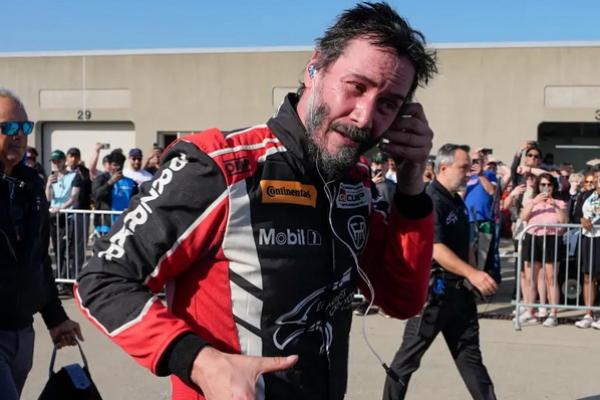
(376, 172)
(401, 114)
(105, 146)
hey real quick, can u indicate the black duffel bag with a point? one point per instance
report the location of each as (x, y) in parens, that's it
(72, 382)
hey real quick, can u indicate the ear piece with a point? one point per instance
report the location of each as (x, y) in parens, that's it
(312, 71)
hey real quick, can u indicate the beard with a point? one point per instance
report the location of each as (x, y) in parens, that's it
(333, 166)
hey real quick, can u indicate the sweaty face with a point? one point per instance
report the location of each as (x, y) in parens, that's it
(12, 148)
(350, 104)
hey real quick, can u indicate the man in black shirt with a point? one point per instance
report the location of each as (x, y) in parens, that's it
(26, 283)
(450, 307)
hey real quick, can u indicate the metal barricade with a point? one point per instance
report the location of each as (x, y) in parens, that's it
(72, 235)
(564, 250)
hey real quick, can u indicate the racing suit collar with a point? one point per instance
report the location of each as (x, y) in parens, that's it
(290, 130)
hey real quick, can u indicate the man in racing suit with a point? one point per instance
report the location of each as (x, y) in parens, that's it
(260, 235)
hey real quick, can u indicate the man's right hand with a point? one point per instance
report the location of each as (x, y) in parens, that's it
(518, 190)
(223, 376)
(115, 177)
(586, 224)
(53, 178)
(483, 282)
(377, 179)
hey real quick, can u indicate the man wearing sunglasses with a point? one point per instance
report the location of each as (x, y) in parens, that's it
(527, 162)
(25, 273)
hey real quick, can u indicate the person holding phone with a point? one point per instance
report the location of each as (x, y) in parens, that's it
(112, 190)
(542, 245)
(262, 233)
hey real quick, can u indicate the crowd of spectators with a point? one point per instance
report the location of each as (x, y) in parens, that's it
(501, 200)
(70, 185)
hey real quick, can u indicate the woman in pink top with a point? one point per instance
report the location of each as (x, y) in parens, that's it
(543, 208)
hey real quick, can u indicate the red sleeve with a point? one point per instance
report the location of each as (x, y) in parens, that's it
(397, 261)
(168, 227)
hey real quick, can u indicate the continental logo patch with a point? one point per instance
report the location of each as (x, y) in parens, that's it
(290, 192)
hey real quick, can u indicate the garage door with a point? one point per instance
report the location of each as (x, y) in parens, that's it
(570, 142)
(85, 135)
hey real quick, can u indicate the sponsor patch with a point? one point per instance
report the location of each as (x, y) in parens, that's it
(235, 166)
(291, 192)
(289, 237)
(357, 228)
(353, 196)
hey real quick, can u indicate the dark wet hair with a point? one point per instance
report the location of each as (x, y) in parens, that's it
(383, 27)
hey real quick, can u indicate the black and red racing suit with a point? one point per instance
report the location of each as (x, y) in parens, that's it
(257, 257)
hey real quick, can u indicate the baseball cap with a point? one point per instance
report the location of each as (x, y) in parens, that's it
(135, 152)
(57, 155)
(378, 158)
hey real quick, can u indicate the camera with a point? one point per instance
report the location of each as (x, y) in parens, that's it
(105, 146)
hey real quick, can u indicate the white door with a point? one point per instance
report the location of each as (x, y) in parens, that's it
(85, 135)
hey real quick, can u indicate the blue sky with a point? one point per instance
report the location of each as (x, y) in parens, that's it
(42, 25)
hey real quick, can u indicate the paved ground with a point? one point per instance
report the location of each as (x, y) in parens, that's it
(535, 363)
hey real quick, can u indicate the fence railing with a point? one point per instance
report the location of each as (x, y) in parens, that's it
(72, 234)
(559, 253)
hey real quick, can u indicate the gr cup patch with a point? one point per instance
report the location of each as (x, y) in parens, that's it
(290, 192)
(353, 196)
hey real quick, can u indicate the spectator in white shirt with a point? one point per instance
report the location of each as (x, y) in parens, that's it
(136, 172)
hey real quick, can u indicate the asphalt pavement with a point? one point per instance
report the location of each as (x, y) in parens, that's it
(535, 363)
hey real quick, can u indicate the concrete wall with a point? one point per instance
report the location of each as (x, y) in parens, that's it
(492, 97)
(495, 97)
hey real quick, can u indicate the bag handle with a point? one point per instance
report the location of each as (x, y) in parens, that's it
(53, 358)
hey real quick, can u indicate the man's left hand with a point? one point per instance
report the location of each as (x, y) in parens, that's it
(66, 334)
(410, 141)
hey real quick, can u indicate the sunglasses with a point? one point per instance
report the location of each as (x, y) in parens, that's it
(12, 128)
(588, 181)
(545, 185)
(531, 155)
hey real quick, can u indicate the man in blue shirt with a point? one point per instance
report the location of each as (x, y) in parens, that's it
(62, 192)
(479, 199)
(111, 190)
